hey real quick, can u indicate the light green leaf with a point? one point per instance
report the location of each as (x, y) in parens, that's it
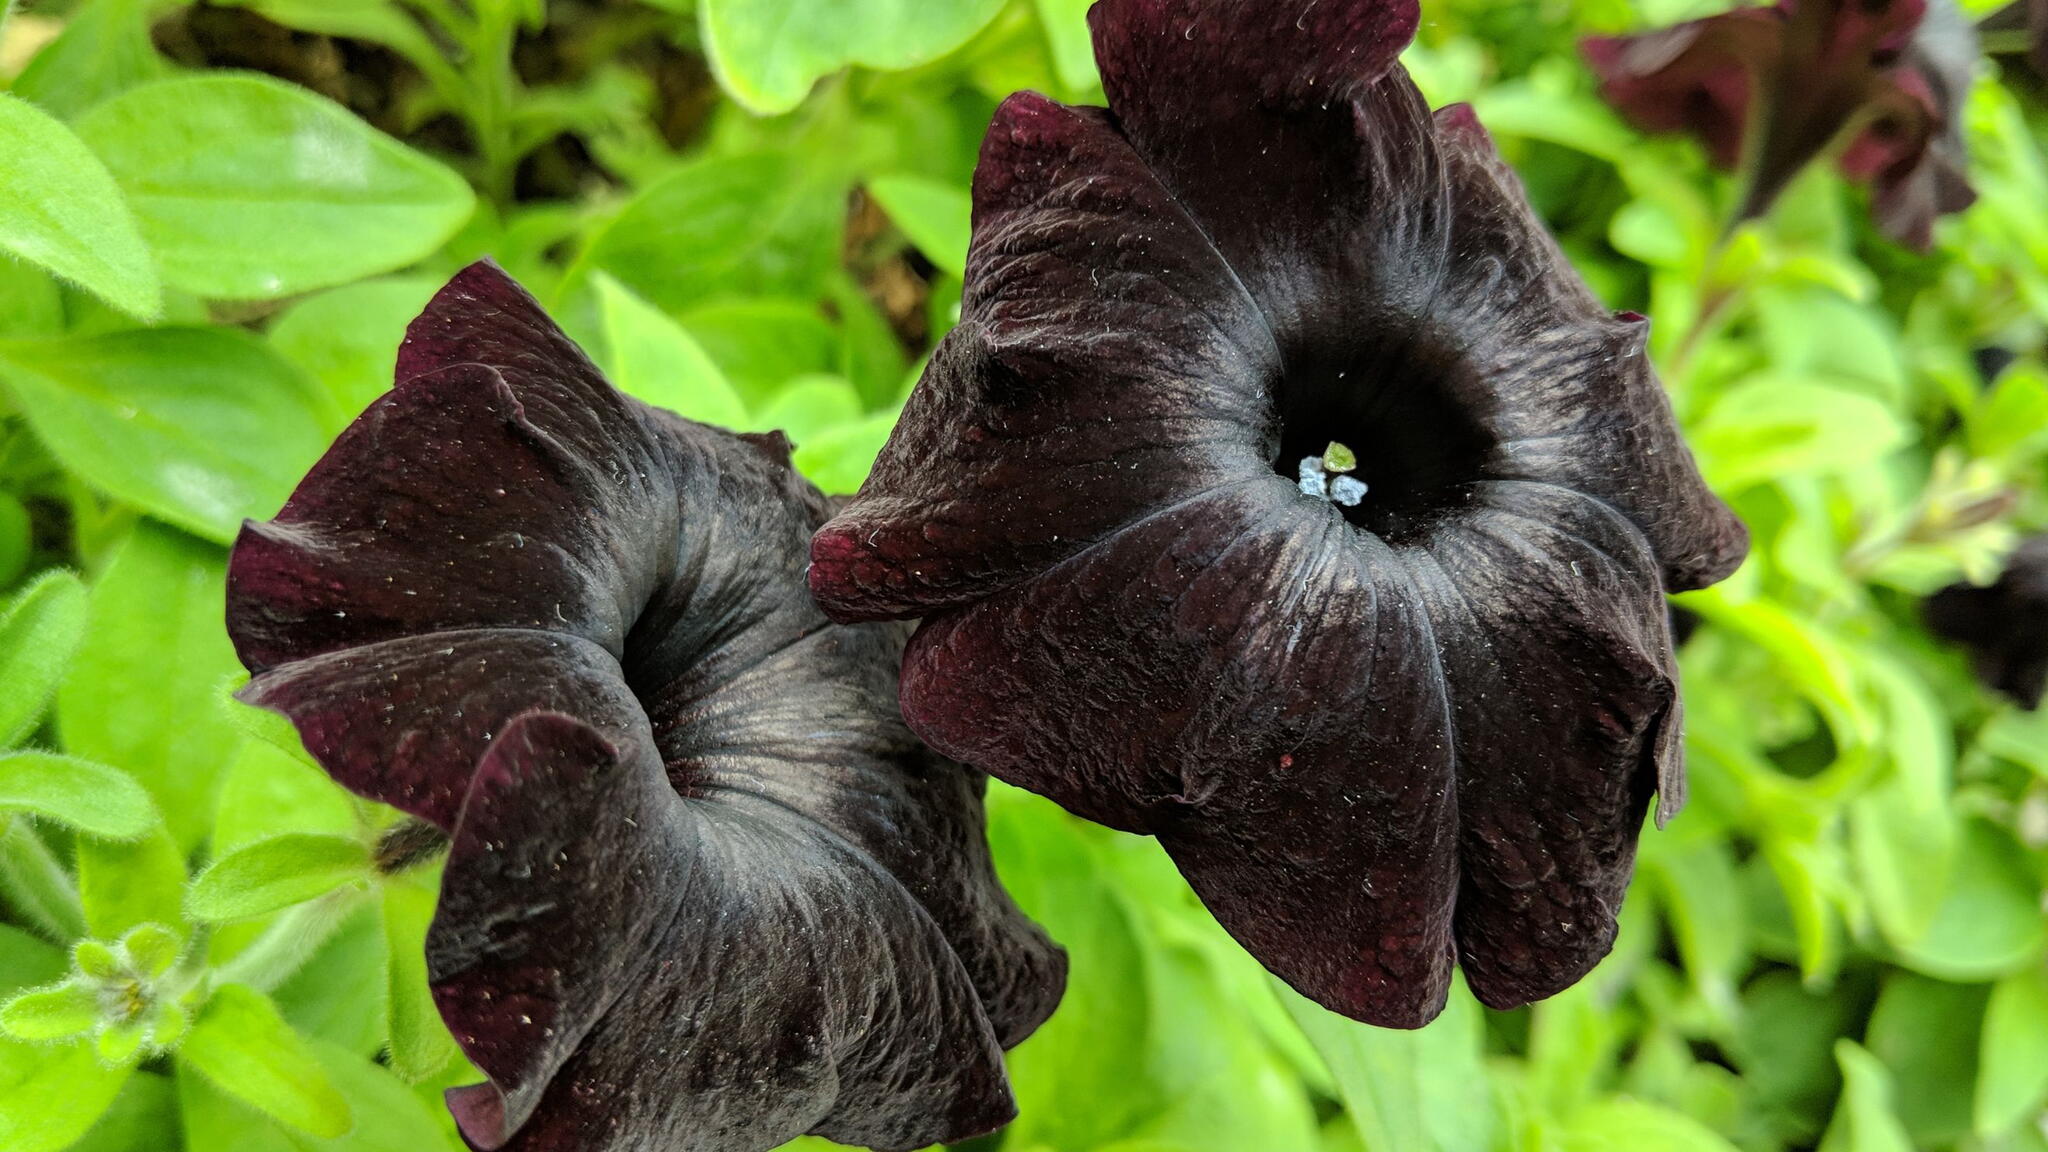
(763, 343)
(750, 224)
(40, 630)
(251, 188)
(1425, 1089)
(420, 1043)
(347, 338)
(1989, 921)
(1073, 48)
(200, 426)
(93, 798)
(277, 873)
(1778, 425)
(58, 1102)
(1928, 1032)
(1864, 1121)
(1625, 1125)
(245, 1048)
(389, 1116)
(17, 529)
(2012, 1064)
(935, 215)
(123, 884)
(768, 53)
(808, 408)
(143, 691)
(652, 358)
(54, 1013)
(26, 961)
(838, 461)
(142, 1116)
(61, 209)
(105, 48)
(268, 792)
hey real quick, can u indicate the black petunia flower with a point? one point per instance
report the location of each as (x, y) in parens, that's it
(2020, 29)
(2004, 626)
(1770, 89)
(1376, 724)
(704, 890)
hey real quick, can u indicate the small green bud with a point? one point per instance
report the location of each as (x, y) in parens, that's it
(1338, 458)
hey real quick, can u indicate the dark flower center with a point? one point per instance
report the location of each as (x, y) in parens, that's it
(1419, 444)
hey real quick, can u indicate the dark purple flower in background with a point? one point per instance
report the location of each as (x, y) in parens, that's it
(1771, 89)
(705, 890)
(2024, 25)
(2004, 627)
(1378, 724)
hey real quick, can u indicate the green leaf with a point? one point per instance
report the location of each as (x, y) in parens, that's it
(1989, 922)
(389, 1116)
(1073, 48)
(768, 53)
(17, 529)
(210, 1120)
(200, 426)
(37, 888)
(251, 188)
(26, 961)
(1699, 889)
(761, 344)
(1785, 1047)
(337, 994)
(810, 407)
(104, 49)
(420, 1043)
(40, 630)
(935, 215)
(139, 1120)
(347, 338)
(1425, 1090)
(277, 873)
(651, 357)
(1901, 829)
(143, 691)
(1928, 1032)
(839, 460)
(93, 798)
(750, 224)
(2012, 1062)
(60, 1101)
(245, 1048)
(55, 1013)
(123, 884)
(1864, 1121)
(268, 792)
(1779, 425)
(60, 208)
(1624, 1125)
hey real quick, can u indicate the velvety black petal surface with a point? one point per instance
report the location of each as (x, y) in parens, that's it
(1374, 738)
(705, 889)
(2004, 627)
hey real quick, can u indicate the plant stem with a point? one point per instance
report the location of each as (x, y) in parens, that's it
(36, 885)
(286, 945)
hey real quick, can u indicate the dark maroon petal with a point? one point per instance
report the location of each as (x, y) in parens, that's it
(1107, 360)
(1252, 680)
(1912, 187)
(1698, 77)
(1566, 389)
(1564, 699)
(2004, 627)
(634, 970)
(2029, 19)
(403, 721)
(710, 890)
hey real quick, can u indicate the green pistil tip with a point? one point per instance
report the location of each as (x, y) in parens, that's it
(1339, 458)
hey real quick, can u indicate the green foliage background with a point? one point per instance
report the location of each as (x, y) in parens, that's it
(755, 212)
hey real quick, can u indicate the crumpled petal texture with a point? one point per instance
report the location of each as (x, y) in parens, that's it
(2003, 626)
(705, 889)
(1376, 742)
(1797, 76)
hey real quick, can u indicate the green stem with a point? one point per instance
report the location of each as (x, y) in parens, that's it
(287, 944)
(36, 886)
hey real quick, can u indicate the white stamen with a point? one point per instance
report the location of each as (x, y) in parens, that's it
(1347, 490)
(1312, 482)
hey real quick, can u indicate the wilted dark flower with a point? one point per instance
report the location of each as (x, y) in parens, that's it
(2025, 23)
(1371, 734)
(704, 890)
(1770, 89)
(2004, 627)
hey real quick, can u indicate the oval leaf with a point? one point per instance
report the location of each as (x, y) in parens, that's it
(39, 633)
(60, 208)
(276, 873)
(91, 797)
(768, 53)
(250, 188)
(245, 1048)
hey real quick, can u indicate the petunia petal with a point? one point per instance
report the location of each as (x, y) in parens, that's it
(1564, 700)
(593, 925)
(1250, 679)
(1566, 389)
(1694, 77)
(1107, 360)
